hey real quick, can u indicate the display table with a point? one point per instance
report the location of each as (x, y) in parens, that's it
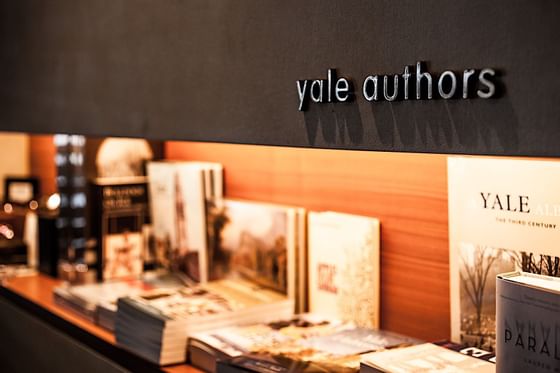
(39, 334)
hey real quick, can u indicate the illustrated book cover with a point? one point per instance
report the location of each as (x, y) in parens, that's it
(257, 242)
(344, 272)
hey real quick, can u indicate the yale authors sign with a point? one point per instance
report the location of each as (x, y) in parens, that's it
(414, 83)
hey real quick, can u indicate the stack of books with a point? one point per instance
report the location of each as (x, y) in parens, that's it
(98, 302)
(306, 341)
(156, 325)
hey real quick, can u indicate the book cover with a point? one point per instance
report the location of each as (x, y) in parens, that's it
(161, 176)
(305, 339)
(470, 351)
(254, 241)
(426, 357)
(181, 192)
(156, 324)
(503, 216)
(528, 323)
(189, 254)
(119, 211)
(344, 267)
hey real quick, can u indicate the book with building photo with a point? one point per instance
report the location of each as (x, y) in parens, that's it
(344, 270)
(180, 193)
(504, 216)
(256, 242)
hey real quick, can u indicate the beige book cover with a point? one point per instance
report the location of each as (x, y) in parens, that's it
(504, 215)
(344, 267)
(426, 358)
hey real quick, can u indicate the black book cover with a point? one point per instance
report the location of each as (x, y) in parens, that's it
(119, 210)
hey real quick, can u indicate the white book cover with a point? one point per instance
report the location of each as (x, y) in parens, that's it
(425, 357)
(179, 194)
(161, 186)
(190, 211)
(504, 215)
(344, 273)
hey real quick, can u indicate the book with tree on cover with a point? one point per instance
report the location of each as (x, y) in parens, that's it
(504, 215)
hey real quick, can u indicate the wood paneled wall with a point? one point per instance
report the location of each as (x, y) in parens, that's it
(42, 161)
(407, 192)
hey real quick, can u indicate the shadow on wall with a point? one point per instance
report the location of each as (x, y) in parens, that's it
(441, 126)
(339, 123)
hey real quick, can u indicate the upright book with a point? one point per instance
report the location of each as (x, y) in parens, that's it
(344, 267)
(528, 323)
(502, 217)
(260, 243)
(180, 194)
(119, 210)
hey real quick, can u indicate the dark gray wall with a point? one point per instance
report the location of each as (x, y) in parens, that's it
(30, 345)
(226, 70)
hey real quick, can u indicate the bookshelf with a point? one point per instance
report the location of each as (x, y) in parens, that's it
(407, 192)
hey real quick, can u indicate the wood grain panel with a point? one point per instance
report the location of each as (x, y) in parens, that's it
(408, 192)
(42, 161)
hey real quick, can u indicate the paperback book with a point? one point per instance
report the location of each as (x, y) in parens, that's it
(344, 267)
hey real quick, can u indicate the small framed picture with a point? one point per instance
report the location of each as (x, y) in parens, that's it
(20, 190)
